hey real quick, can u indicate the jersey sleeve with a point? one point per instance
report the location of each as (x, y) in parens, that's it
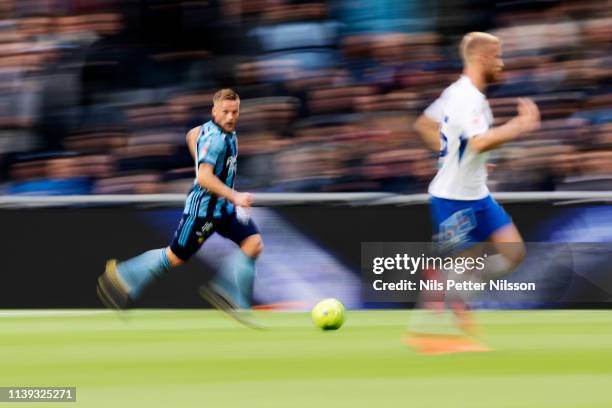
(210, 147)
(471, 117)
(435, 111)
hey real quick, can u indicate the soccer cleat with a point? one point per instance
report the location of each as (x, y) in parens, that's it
(444, 344)
(220, 300)
(111, 289)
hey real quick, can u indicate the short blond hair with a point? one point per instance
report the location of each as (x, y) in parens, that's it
(474, 42)
(225, 94)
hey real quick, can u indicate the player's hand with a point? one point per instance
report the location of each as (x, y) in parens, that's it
(242, 199)
(528, 117)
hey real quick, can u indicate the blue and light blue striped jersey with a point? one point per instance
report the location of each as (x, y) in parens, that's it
(219, 149)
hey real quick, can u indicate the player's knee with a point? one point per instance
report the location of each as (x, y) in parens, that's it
(510, 244)
(252, 246)
(257, 246)
(518, 253)
(173, 258)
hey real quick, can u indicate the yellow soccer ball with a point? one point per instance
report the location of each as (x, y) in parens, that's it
(328, 314)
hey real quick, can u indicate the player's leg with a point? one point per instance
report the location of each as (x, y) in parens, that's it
(441, 319)
(505, 238)
(237, 274)
(494, 234)
(432, 315)
(509, 243)
(252, 246)
(243, 263)
(493, 227)
(123, 282)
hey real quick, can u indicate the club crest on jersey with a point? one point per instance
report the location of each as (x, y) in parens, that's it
(231, 164)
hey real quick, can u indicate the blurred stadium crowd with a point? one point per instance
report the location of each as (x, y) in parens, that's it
(96, 95)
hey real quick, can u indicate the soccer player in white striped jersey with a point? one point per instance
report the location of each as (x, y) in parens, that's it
(459, 125)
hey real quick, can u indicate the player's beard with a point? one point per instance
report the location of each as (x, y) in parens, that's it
(491, 76)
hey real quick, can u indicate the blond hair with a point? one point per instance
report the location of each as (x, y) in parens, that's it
(474, 42)
(225, 94)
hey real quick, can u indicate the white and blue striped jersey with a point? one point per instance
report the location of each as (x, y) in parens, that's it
(218, 148)
(463, 112)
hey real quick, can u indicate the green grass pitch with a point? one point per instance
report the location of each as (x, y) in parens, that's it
(202, 359)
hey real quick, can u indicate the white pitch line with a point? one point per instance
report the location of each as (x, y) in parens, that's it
(51, 313)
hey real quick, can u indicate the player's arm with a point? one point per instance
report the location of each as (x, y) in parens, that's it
(206, 175)
(192, 137)
(427, 125)
(208, 180)
(528, 119)
(429, 131)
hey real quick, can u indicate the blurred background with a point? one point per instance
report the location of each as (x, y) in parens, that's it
(96, 95)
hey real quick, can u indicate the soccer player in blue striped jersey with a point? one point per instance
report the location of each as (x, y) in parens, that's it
(211, 206)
